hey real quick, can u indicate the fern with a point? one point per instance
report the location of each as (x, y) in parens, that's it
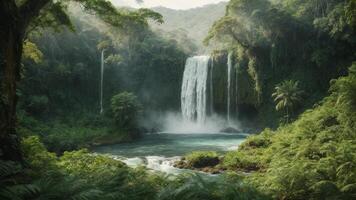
(10, 186)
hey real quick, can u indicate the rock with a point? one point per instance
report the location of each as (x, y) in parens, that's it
(215, 171)
(205, 162)
(180, 164)
(230, 130)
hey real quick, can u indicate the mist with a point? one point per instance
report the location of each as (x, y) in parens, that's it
(173, 122)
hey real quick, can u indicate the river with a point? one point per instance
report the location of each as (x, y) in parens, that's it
(159, 151)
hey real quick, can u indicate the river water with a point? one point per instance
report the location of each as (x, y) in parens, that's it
(159, 151)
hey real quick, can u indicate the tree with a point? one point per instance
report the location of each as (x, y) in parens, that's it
(126, 109)
(287, 94)
(17, 19)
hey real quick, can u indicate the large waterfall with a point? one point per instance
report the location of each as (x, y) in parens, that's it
(194, 89)
(229, 85)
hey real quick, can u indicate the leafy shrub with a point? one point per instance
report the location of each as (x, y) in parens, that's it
(62, 138)
(81, 163)
(126, 109)
(239, 160)
(257, 141)
(11, 187)
(37, 156)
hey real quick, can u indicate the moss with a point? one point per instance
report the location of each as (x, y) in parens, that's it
(201, 159)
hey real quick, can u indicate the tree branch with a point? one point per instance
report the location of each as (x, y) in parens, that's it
(31, 9)
(243, 44)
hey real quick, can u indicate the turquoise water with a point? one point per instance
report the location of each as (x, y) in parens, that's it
(159, 151)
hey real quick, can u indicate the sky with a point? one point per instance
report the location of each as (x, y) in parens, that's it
(174, 4)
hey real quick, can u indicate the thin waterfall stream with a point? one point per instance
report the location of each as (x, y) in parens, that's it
(101, 81)
(211, 87)
(229, 70)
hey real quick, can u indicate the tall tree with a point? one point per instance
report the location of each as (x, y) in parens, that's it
(17, 18)
(287, 95)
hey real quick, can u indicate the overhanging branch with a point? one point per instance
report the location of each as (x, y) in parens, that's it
(31, 9)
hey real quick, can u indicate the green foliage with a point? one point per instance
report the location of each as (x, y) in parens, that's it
(83, 175)
(37, 156)
(11, 188)
(126, 110)
(311, 158)
(345, 89)
(31, 51)
(273, 41)
(197, 187)
(237, 160)
(200, 159)
(81, 163)
(62, 137)
(69, 134)
(135, 58)
(287, 94)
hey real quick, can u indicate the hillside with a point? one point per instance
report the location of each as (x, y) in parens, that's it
(196, 22)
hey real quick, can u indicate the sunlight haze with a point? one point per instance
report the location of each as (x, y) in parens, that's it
(174, 4)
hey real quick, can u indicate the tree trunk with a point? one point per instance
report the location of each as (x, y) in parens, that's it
(11, 38)
(287, 115)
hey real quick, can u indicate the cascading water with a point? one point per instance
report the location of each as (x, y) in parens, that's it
(194, 89)
(211, 87)
(229, 70)
(101, 81)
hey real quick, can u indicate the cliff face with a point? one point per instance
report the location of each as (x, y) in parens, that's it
(253, 79)
(245, 92)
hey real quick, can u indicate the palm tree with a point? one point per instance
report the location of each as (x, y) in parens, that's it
(287, 94)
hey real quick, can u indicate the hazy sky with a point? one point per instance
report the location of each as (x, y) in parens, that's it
(175, 4)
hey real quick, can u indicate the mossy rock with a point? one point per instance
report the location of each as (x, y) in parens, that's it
(202, 159)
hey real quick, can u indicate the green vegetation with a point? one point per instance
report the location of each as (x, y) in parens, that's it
(19, 20)
(200, 159)
(126, 110)
(81, 175)
(59, 93)
(287, 96)
(49, 98)
(312, 158)
(311, 41)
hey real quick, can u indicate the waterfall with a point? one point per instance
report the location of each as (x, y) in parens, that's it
(229, 69)
(101, 81)
(194, 89)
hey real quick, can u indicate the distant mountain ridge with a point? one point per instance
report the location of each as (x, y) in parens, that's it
(196, 21)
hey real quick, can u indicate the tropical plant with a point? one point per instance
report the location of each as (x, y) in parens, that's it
(10, 186)
(287, 94)
(126, 109)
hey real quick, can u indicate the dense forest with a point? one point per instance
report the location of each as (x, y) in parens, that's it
(87, 91)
